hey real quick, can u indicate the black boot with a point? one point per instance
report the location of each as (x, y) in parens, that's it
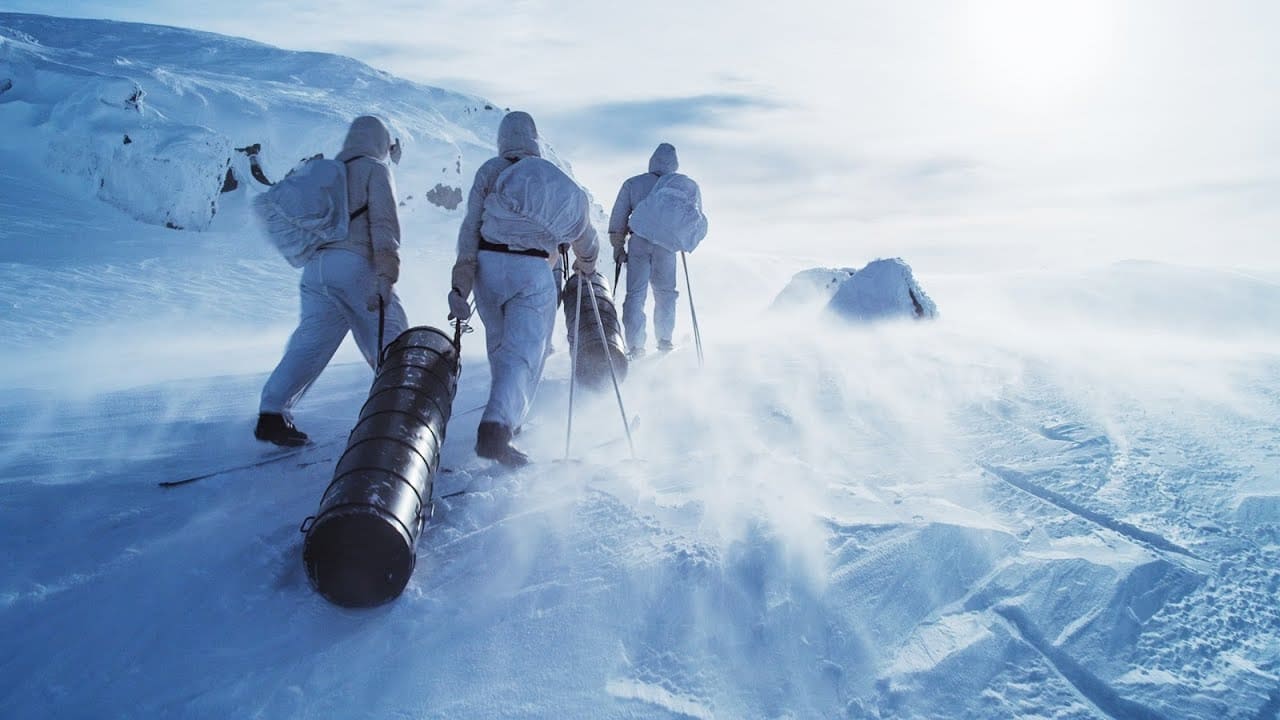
(493, 441)
(278, 429)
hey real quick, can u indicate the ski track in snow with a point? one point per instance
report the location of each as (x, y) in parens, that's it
(1183, 500)
(1048, 515)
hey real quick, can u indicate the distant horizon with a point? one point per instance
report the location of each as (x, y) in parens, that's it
(1058, 133)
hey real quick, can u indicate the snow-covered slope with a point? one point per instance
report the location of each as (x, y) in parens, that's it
(1059, 500)
(104, 123)
(150, 118)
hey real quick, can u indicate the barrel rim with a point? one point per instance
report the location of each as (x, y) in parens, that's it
(415, 330)
(426, 463)
(355, 508)
(387, 371)
(449, 352)
(422, 502)
(421, 329)
(438, 439)
(431, 471)
(444, 414)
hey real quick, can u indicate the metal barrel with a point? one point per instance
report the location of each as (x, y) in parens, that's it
(593, 356)
(359, 548)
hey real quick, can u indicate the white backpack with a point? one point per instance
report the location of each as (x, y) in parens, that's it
(307, 209)
(535, 204)
(671, 216)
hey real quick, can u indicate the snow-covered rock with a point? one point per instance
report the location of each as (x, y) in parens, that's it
(98, 129)
(149, 118)
(813, 287)
(883, 289)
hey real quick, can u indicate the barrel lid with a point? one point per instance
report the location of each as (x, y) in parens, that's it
(356, 557)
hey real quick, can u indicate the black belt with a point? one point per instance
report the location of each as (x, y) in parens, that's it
(498, 247)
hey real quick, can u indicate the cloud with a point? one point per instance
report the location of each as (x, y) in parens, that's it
(939, 167)
(633, 124)
(1070, 119)
(380, 53)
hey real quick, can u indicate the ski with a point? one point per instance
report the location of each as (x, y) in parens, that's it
(275, 457)
(632, 426)
(652, 359)
(497, 469)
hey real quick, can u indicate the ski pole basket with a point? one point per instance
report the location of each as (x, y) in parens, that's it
(360, 548)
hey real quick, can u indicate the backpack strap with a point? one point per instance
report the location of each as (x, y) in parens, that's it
(364, 209)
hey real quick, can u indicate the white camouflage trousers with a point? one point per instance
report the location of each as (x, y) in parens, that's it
(649, 264)
(516, 300)
(335, 288)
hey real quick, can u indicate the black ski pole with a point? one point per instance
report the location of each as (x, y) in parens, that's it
(560, 274)
(382, 323)
(617, 273)
(563, 276)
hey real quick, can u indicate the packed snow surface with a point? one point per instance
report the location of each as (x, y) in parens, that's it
(1058, 500)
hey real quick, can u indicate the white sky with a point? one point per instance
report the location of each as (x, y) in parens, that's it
(1042, 131)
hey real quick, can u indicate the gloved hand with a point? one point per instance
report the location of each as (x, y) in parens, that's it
(382, 289)
(463, 277)
(619, 242)
(395, 151)
(585, 267)
(387, 264)
(459, 308)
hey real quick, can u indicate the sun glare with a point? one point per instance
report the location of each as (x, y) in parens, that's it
(1037, 50)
